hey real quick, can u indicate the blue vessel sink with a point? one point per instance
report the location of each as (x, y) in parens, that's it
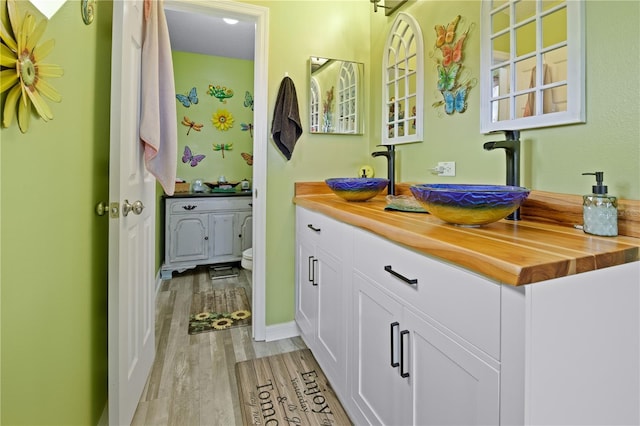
(356, 189)
(469, 205)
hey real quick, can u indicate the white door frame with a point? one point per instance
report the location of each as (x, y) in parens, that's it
(259, 15)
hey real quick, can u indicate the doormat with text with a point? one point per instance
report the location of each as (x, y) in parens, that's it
(285, 389)
(219, 310)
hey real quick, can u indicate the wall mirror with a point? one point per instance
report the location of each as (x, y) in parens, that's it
(402, 82)
(518, 38)
(336, 100)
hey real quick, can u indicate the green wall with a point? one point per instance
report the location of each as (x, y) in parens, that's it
(195, 70)
(54, 248)
(553, 158)
(298, 30)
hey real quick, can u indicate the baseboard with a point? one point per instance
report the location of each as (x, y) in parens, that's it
(283, 330)
(104, 418)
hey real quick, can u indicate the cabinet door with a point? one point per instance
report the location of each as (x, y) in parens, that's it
(331, 324)
(450, 386)
(306, 295)
(377, 389)
(464, 303)
(223, 235)
(245, 220)
(189, 236)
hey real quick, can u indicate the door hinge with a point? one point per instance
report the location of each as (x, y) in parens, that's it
(114, 210)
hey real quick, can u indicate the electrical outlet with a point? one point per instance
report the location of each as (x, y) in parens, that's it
(447, 168)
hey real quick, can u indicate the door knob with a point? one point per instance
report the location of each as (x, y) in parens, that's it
(136, 207)
(102, 208)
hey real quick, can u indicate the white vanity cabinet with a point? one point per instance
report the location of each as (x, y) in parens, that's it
(430, 343)
(370, 330)
(205, 230)
(409, 365)
(321, 291)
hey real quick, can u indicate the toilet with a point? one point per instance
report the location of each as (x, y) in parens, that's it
(247, 259)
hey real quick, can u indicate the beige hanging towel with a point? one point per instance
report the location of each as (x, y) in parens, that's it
(158, 118)
(286, 127)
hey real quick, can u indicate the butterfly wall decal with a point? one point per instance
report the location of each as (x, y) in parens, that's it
(190, 99)
(453, 54)
(455, 101)
(189, 158)
(221, 93)
(446, 35)
(191, 125)
(222, 147)
(454, 94)
(447, 76)
(247, 157)
(247, 127)
(248, 100)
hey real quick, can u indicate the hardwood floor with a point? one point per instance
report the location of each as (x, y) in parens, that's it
(192, 381)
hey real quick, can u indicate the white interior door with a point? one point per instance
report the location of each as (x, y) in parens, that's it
(131, 233)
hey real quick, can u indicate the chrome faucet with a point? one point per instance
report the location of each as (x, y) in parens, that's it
(511, 146)
(390, 153)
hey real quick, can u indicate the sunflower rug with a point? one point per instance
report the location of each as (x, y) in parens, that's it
(219, 310)
(286, 389)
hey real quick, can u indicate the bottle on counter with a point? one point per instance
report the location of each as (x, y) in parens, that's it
(600, 210)
(245, 185)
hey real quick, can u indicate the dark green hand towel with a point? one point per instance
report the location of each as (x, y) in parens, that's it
(286, 127)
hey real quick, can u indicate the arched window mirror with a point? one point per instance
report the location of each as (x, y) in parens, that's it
(348, 98)
(314, 107)
(402, 81)
(518, 39)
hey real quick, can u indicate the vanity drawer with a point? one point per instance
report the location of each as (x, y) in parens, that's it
(462, 302)
(200, 205)
(322, 230)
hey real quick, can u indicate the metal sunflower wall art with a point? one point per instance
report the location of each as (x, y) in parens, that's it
(23, 74)
(222, 120)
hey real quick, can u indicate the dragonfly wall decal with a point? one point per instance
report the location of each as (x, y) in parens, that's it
(191, 124)
(222, 147)
(247, 127)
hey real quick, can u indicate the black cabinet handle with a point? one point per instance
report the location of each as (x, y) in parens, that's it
(310, 226)
(189, 207)
(315, 262)
(403, 374)
(394, 325)
(410, 281)
(206, 237)
(311, 269)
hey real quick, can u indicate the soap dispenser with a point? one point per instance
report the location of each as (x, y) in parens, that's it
(600, 210)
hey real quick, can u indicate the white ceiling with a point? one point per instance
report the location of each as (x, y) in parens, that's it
(210, 35)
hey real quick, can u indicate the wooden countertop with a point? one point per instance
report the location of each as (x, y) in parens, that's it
(515, 253)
